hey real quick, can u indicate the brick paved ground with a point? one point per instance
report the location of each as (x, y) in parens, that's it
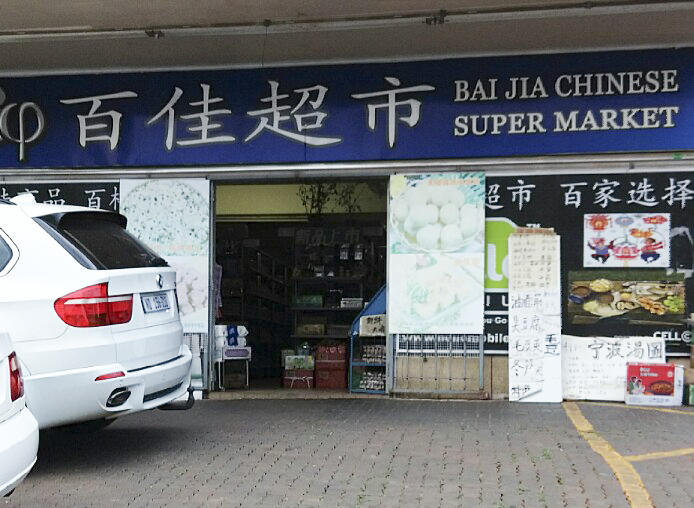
(362, 452)
(636, 431)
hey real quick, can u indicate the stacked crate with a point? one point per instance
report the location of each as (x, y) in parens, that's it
(331, 367)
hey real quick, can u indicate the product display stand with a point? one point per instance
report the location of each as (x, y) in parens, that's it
(366, 375)
(367, 351)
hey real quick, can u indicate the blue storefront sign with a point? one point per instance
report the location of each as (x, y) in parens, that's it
(632, 101)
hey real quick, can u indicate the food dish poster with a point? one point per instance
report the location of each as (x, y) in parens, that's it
(561, 201)
(626, 240)
(436, 253)
(172, 217)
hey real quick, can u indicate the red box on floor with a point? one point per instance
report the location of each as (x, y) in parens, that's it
(331, 365)
(654, 384)
(298, 378)
(331, 379)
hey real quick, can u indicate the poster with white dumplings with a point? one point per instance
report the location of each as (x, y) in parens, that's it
(436, 253)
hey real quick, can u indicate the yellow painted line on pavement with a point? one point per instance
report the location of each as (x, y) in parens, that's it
(642, 408)
(629, 479)
(659, 455)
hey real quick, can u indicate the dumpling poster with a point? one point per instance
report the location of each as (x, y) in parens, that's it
(436, 253)
(626, 240)
(172, 216)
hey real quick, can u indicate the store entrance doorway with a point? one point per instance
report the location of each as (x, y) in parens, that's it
(296, 262)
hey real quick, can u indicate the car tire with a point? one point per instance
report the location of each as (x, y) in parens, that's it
(87, 427)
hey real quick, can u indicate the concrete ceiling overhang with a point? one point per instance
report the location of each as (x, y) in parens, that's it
(88, 35)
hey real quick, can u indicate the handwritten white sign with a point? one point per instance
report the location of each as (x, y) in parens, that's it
(595, 368)
(534, 317)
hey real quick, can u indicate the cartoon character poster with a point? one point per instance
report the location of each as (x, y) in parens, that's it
(626, 240)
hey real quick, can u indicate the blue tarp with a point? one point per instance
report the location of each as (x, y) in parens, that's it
(377, 305)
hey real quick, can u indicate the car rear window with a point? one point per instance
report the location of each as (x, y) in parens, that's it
(98, 240)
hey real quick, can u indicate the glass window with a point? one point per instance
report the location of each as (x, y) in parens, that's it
(101, 241)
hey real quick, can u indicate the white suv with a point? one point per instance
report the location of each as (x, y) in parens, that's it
(92, 313)
(19, 433)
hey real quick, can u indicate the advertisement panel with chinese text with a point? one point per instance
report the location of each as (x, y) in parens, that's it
(507, 106)
(627, 252)
(100, 195)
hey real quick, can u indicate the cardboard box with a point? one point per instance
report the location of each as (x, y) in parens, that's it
(308, 300)
(338, 330)
(310, 329)
(352, 303)
(294, 362)
(689, 376)
(650, 384)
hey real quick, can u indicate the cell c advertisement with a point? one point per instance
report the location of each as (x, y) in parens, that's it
(627, 252)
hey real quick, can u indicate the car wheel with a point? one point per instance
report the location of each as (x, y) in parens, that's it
(87, 427)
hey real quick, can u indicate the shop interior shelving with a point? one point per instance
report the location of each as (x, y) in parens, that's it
(256, 295)
(326, 312)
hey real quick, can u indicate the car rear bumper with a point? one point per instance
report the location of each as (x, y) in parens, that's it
(73, 396)
(19, 441)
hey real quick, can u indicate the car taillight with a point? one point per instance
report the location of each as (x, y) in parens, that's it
(16, 381)
(91, 306)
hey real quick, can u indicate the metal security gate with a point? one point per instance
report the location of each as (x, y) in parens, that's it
(439, 366)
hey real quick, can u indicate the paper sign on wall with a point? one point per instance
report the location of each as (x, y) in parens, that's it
(595, 368)
(534, 316)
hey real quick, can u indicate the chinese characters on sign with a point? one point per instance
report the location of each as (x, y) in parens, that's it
(676, 193)
(534, 317)
(642, 220)
(464, 107)
(101, 195)
(594, 368)
(296, 117)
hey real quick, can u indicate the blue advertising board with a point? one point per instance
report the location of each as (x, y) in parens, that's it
(629, 101)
